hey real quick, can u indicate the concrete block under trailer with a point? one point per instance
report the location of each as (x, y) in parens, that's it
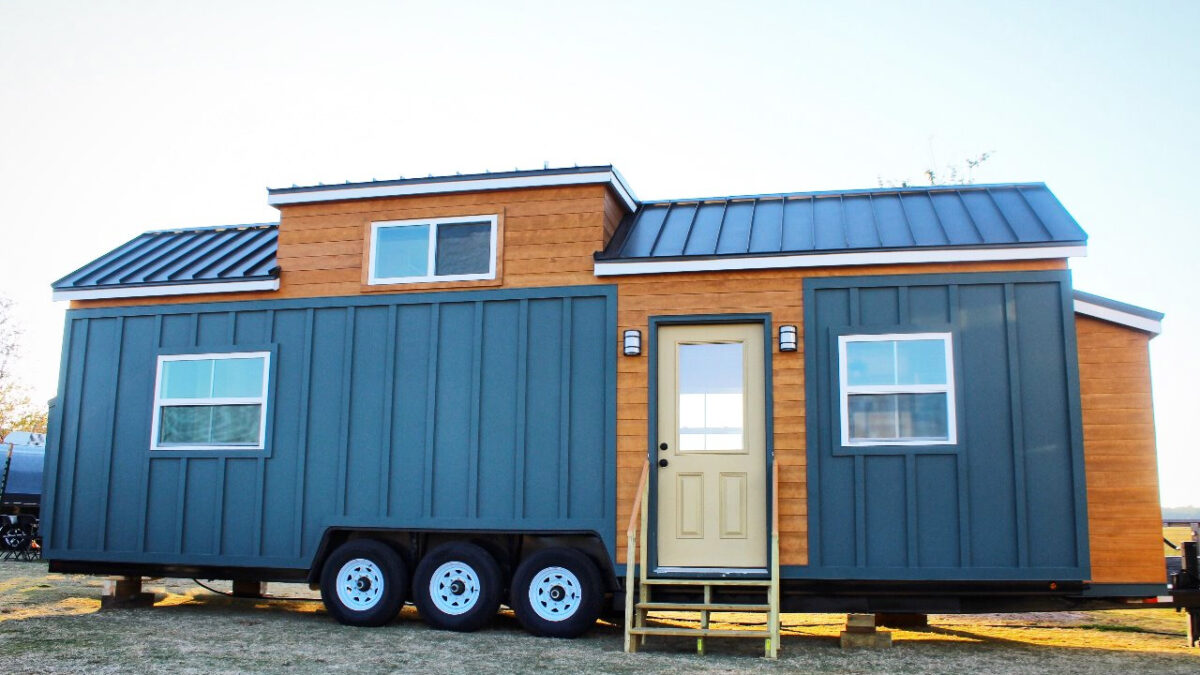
(465, 440)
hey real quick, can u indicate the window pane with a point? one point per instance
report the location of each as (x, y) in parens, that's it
(923, 416)
(185, 424)
(870, 363)
(186, 379)
(238, 377)
(402, 251)
(235, 424)
(464, 248)
(921, 361)
(872, 416)
(710, 397)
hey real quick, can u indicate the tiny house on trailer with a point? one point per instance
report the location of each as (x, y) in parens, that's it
(532, 388)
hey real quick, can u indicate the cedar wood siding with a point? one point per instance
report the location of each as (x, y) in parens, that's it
(1124, 516)
(548, 237)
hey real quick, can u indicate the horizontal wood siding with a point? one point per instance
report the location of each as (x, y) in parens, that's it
(549, 236)
(777, 292)
(1119, 453)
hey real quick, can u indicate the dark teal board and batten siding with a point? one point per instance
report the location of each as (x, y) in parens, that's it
(491, 410)
(1007, 500)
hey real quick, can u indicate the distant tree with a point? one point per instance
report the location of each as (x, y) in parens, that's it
(17, 409)
(962, 173)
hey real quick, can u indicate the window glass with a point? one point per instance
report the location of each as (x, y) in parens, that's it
(897, 389)
(402, 251)
(921, 361)
(871, 362)
(237, 378)
(211, 402)
(711, 397)
(186, 379)
(463, 248)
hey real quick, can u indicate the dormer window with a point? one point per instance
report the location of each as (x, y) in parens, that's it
(433, 249)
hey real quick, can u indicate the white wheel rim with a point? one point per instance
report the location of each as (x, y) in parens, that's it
(555, 593)
(454, 588)
(360, 584)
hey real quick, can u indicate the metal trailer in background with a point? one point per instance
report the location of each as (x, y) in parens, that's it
(24, 455)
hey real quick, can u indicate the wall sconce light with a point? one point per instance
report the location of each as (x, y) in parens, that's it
(633, 342)
(787, 338)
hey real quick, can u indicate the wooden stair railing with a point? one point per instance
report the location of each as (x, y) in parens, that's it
(636, 629)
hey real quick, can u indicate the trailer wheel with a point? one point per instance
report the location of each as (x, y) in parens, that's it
(457, 586)
(364, 583)
(557, 592)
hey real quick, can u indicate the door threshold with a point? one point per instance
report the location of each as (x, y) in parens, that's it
(709, 572)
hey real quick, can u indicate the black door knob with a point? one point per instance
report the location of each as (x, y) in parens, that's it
(662, 446)
(663, 462)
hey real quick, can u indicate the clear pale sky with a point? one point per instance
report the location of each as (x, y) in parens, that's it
(119, 117)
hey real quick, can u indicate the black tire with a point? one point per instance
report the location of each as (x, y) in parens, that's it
(557, 592)
(458, 586)
(14, 538)
(350, 583)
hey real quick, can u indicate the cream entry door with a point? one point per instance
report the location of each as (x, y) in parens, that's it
(711, 447)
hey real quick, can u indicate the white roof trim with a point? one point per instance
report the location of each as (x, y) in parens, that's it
(1117, 316)
(612, 178)
(905, 257)
(172, 289)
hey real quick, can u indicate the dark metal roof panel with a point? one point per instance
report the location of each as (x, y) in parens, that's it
(168, 257)
(852, 220)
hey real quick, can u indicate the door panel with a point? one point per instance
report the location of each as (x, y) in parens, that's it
(712, 419)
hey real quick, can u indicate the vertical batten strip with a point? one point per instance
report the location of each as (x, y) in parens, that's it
(385, 424)
(913, 557)
(1018, 428)
(144, 481)
(435, 327)
(184, 463)
(260, 464)
(960, 459)
(68, 480)
(522, 380)
(860, 511)
(110, 423)
(476, 402)
(302, 430)
(564, 412)
(344, 413)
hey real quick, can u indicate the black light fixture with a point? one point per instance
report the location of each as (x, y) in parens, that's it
(633, 342)
(787, 339)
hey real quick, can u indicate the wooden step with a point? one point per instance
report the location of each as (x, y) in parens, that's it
(701, 632)
(707, 582)
(700, 606)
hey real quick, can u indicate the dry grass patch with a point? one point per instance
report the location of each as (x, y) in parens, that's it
(50, 623)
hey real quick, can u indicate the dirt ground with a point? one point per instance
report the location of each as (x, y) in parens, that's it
(52, 623)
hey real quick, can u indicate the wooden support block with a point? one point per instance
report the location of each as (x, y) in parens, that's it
(124, 593)
(896, 620)
(250, 589)
(860, 623)
(876, 640)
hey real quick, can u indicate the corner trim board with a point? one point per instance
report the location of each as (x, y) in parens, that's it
(610, 268)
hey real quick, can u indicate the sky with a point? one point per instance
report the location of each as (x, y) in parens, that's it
(121, 117)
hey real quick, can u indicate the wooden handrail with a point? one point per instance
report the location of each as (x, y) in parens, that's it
(637, 500)
(631, 549)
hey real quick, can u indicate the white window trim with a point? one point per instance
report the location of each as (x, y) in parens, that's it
(160, 402)
(845, 390)
(431, 256)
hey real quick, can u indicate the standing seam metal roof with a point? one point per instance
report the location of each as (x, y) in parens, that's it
(171, 257)
(1014, 214)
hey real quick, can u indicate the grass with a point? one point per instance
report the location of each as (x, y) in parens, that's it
(52, 623)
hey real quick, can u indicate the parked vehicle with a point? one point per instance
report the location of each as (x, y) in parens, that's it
(21, 488)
